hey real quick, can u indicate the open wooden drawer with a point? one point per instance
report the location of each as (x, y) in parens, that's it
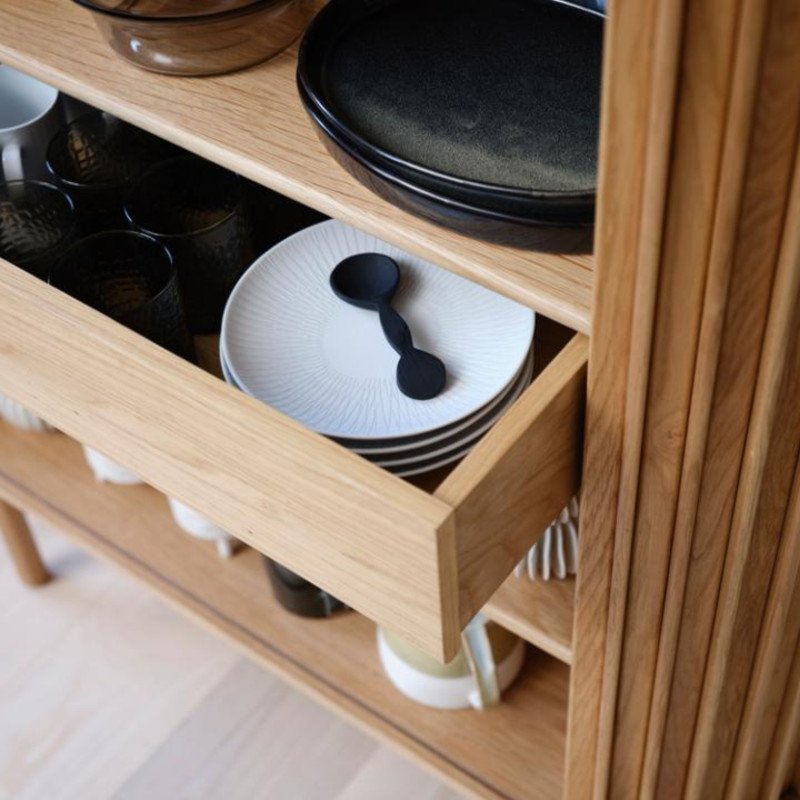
(422, 564)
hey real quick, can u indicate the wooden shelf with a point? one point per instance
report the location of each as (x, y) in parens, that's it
(540, 612)
(252, 122)
(515, 750)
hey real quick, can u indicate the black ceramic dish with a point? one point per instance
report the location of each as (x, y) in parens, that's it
(500, 99)
(482, 223)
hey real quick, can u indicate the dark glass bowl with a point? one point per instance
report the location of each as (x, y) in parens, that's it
(230, 35)
(37, 222)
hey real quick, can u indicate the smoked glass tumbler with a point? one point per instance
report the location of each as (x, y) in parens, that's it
(37, 222)
(131, 278)
(197, 209)
(95, 158)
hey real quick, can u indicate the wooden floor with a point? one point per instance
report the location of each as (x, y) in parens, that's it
(105, 692)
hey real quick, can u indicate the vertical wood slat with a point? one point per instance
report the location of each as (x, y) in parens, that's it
(785, 742)
(646, 526)
(773, 445)
(638, 88)
(666, 50)
(740, 280)
(778, 640)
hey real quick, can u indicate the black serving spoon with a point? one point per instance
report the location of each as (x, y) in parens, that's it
(369, 280)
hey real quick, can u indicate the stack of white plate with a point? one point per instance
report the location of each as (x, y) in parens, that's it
(290, 342)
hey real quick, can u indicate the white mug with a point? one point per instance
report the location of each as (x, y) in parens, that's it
(107, 470)
(489, 660)
(195, 524)
(30, 115)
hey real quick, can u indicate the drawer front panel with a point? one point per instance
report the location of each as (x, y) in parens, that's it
(419, 563)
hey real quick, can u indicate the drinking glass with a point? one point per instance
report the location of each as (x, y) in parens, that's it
(197, 210)
(37, 222)
(131, 278)
(95, 158)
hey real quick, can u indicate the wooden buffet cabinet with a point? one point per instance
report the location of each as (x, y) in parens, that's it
(671, 668)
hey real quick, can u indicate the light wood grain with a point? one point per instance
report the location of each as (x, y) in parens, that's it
(672, 317)
(253, 737)
(382, 545)
(252, 122)
(640, 72)
(773, 442)
(777, 643)
(541, 612)
(781, 769)
(502, 505)
(737, 297)
(22, 547)
(98, 674)
(341, 522)
(515, 750)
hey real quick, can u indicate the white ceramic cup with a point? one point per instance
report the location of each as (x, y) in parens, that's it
(489, 660)
(195, 524)
(30, 115)
(107, 470)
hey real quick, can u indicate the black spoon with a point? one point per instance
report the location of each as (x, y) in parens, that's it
(369, 280)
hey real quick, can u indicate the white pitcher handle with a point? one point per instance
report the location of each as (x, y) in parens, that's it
(478, 650)
(12, 162)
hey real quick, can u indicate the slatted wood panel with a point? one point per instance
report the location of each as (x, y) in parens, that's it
(777, 643)
(641, 47)
(710, 214)
(784, 753)
(727, 366)
(758, 523)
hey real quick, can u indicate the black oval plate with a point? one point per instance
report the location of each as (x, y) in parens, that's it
(496, 97)
(482, 223)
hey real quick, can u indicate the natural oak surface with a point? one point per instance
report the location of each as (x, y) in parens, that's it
(338, 520)
(515, 750)
(541, 612)
(422, 565)
(252, 122)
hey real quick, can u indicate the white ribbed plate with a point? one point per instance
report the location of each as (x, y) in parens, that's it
(290, 342)
(383, 448)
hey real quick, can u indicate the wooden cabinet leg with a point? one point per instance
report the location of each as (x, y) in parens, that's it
(22, 547)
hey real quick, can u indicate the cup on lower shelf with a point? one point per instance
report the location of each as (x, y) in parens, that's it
(19, 416)
(298, 595)
(107, 470)
(488, 662)
(195, 524)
